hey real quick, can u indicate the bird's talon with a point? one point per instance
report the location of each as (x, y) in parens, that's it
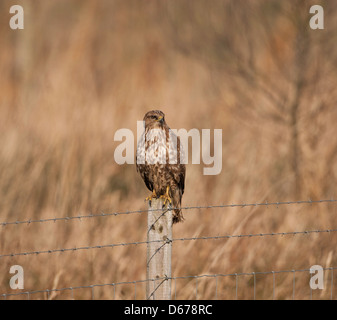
(149, 198)
(166, 197)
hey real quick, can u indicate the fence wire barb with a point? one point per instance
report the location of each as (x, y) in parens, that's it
(164, 242)
(109, 214)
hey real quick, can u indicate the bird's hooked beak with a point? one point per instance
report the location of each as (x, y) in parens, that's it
(160, 119)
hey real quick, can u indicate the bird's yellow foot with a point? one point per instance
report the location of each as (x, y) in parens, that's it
(166, 197)
(153, 195)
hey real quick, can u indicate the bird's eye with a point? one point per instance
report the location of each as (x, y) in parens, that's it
(153, 117)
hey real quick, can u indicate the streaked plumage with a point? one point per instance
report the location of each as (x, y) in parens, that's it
(160, 160)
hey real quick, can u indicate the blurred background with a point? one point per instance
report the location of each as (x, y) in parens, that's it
(82, 69)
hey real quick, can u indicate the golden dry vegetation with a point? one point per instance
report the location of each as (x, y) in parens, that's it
(80, 70)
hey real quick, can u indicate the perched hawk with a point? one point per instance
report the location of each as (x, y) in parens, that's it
(160, 162)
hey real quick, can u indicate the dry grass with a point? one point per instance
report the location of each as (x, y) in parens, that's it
(80, 70)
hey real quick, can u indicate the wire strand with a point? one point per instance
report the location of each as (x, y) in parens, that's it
(109, 214)
(164, 242)
(192, 277)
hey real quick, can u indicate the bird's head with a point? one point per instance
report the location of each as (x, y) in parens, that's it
(154, 119)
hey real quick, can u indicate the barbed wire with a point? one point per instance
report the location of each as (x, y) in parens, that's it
(164, 242)
(109, 214)
(162, 279)
(123, 244)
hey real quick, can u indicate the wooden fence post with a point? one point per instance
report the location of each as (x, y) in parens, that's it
(159, 250)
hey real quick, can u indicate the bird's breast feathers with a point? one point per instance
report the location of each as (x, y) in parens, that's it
(159, 146)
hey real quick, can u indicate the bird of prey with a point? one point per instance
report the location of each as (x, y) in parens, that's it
(160, 162)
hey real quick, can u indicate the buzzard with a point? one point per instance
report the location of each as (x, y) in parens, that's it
(160, 162)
